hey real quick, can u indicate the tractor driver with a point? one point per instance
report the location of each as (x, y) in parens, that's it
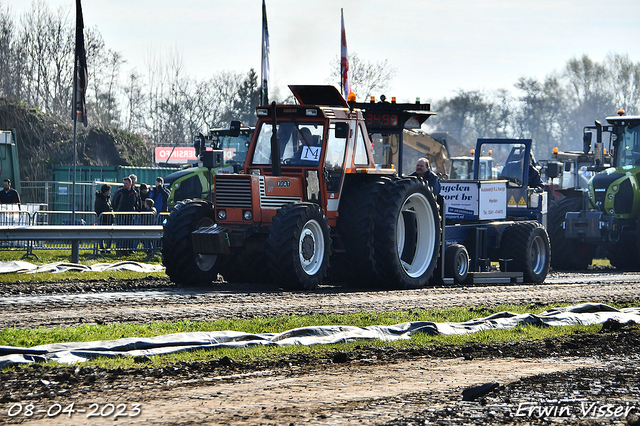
(423, 171)
(306, 149)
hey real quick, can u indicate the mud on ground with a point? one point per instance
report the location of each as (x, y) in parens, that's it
(579, 379)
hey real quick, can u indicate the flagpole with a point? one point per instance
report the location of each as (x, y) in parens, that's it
(264, 86)
(75, 246)
(75, 126)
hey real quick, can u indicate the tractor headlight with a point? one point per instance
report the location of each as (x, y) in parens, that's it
(247, 215)
(222, 214)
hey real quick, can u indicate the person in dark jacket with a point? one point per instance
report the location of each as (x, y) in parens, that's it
(103, 205)
(103, 209)
(9, 195)
(159, 194)
(423, 171)
(144, 194)
(126, 200)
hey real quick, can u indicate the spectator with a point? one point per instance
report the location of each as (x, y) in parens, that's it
(144, 194)
(103, 205)
(104, 210)
(423, 171)
(125, 200)
(9, 195)
(134, 181)
(160, 195)
(149, 218)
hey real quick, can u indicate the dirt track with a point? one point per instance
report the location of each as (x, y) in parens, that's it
(581, 373)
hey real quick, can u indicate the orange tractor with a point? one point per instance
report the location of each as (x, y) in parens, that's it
(311, 202)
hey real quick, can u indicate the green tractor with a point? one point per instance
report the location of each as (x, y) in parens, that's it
(196, 182)
(611, 217)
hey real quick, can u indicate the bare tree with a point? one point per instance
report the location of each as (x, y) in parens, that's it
(135, 103)
(366, 78)
(625, 82)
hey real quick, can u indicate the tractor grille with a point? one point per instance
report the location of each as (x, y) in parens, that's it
(624, 198)
(600, 184)
(271, 202)
(233, 191)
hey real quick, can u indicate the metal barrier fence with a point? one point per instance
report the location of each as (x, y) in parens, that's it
(58, 195)
(14, 217)
(10, 215)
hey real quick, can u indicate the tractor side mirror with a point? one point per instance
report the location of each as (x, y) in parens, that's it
(199, 144)
(234, 129)
(586, 142)
(553, 169)
(342, 130)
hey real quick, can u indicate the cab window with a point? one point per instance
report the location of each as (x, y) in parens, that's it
(360, 158)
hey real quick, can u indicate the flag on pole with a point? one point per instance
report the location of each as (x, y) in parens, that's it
(264, 96)
(80, 75)
(344, 62)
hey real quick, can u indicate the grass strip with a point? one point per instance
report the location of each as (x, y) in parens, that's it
(83, 333)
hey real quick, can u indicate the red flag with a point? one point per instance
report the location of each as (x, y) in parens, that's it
(80, 75)
(264, 99)
(344, 61)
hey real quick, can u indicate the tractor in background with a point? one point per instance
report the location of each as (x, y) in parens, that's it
(230, 148)
(610, 214)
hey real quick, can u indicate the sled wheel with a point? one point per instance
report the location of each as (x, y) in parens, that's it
(457, 263)
(528, 245)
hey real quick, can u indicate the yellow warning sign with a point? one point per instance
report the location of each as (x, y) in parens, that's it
(522, 202)
(512, 202)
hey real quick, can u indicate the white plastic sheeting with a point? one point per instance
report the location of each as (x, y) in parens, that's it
(70, 353)
(29, 268)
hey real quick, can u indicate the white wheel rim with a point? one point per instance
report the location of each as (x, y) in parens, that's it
(538, 255)
(462, 264)
(311, 247)
(425, 235)
(206, 261)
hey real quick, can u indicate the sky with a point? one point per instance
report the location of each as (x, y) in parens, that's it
(437, 47)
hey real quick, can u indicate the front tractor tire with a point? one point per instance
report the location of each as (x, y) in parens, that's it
(568, 254)
(407, 234)
(527, 244)
(183, 266)
(299, 246)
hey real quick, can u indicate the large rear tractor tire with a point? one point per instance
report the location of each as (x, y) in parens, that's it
(407, 234)
(527, 244)
(625, 253)
(182, 265)
(568, 254)
(299, 246)
(355, 226)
